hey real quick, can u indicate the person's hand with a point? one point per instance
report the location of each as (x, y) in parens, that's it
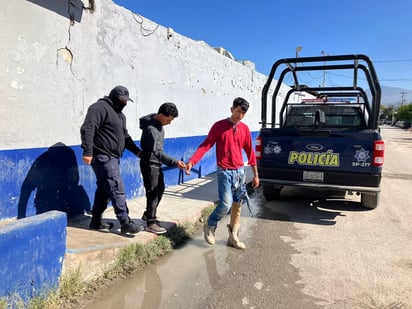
(189, 166)
(255, 182)
(87, 160)
(181, 165)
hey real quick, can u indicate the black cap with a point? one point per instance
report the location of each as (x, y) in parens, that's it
(120, 92)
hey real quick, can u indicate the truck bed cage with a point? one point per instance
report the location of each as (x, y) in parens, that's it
(295, 67)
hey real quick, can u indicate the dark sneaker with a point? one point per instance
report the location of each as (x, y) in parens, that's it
(131, 228)
(100, 226)
(145, 218)
(156, 229)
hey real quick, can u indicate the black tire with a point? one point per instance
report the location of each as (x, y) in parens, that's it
(271, 192)
(370, 200)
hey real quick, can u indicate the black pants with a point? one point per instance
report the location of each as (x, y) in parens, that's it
(110, 187)
(154, 185)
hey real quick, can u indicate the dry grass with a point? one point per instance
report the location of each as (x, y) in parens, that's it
(73, 290)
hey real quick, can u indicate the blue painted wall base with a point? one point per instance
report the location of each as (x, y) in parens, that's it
(32, 255)
(33, 181)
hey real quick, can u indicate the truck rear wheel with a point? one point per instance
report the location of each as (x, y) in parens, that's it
(370, 200)
(271, 192)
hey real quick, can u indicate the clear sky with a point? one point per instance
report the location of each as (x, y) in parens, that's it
(263, 31)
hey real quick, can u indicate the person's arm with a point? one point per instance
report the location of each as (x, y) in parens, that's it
(88, 130)
(131, 146)
(250, 153)
(255, 179)
(166, 159)
(204, 147)
(154, 141)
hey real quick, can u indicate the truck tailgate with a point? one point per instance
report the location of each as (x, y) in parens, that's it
(342, 157)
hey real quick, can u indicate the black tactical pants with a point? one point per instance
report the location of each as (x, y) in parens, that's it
(153, 180)
(110, 187)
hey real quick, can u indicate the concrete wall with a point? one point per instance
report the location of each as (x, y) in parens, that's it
(57, 58)
(32, 254)
(54, 66)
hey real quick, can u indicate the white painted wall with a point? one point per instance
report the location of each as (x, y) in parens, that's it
(52, 69)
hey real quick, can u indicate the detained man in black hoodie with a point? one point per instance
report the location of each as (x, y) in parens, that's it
(151, 159)
(104, 138)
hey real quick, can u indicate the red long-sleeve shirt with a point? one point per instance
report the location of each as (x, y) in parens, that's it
(230, 139)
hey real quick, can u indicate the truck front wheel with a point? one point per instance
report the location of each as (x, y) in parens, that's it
(270, 192)
(370, 200)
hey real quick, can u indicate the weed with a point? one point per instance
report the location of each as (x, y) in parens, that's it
(72, 287)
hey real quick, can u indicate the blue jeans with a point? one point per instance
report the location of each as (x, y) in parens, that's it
(231, 188)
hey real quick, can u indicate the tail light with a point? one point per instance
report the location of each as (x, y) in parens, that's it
(378, 152)
(258, 148)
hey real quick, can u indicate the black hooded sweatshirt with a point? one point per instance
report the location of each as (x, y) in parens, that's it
(104, 129)
(152, 143)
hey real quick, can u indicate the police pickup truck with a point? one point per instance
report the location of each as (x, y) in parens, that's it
(320, 128)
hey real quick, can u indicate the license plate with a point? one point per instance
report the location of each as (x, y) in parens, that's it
(312, 176)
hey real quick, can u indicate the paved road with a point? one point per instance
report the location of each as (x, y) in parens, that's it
(334, 254)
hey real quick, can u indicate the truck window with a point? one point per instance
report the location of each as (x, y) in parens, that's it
(335, 116)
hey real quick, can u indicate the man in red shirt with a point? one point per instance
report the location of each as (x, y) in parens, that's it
(231, 136)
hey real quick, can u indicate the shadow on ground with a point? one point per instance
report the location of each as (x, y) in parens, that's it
(304, 206)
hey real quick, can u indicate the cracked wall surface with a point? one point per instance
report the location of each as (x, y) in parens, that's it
(55, 64)
(66, 55)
